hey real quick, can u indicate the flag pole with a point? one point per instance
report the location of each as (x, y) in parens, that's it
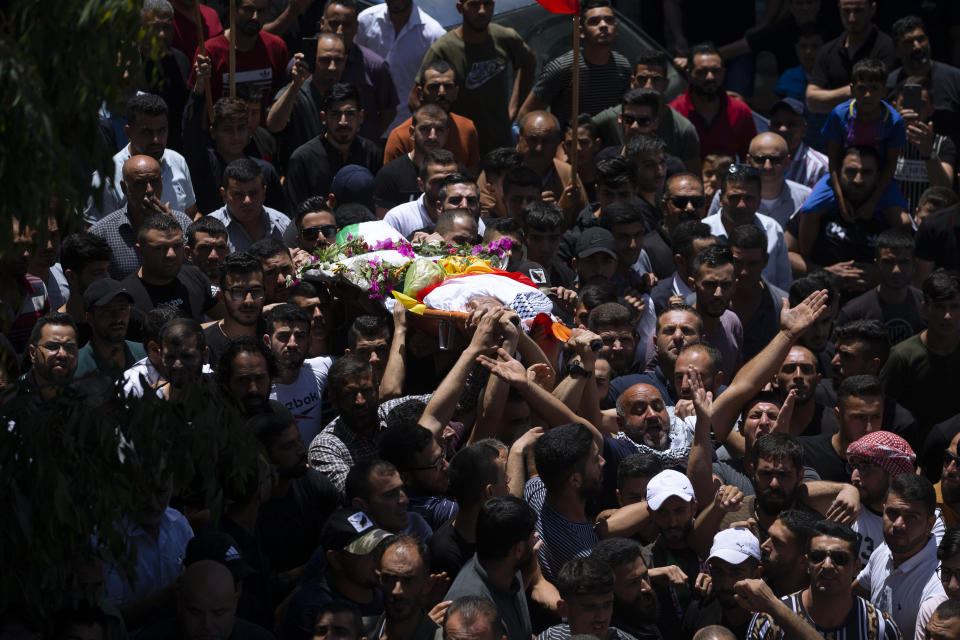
(233, 48)
(203, 51)
(575, 107)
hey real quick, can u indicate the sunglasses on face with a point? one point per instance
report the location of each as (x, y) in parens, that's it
(312, 233)
(642, 121)
(681, 202)
(774, 160)
(839, 558)
(947, 574)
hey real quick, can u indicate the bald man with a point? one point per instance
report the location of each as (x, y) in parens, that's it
(207, 599)
(714, 632)
(458, 226)
(779, 198)
(142, 184)
(540, 136)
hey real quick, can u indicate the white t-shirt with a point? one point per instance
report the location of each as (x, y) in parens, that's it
(304, 397)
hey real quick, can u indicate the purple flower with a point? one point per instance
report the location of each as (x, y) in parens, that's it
(452, 250)
(374, 286)
(477, 249)
(349, 237)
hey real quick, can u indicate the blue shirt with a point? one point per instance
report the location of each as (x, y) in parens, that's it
(888, 132)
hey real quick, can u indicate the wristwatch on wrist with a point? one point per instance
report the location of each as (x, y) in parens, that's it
(576, 370)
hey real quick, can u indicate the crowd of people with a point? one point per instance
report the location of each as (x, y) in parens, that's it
(751, 432)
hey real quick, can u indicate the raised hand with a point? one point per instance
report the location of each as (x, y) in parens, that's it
(794, 322)
(702, 399)
(505, 367)
(782, 425)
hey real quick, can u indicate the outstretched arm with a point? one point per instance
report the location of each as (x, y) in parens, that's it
(758, 370)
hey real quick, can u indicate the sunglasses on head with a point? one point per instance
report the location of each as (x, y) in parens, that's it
(312, 233)
(681, 202)
(628, 120)
(736, 169)
(839, 558)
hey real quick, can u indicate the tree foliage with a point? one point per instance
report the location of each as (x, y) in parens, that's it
(59, 61)
(73, 469)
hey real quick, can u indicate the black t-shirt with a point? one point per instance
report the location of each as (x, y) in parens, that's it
(780, 37)
(839, 240)
(818, 453)
(834, 62)
(938, 239)
(313, 165)
(216, 341)
(703, 613)
(396, 183)
(290, 526)
(936, 442)
(189, 293)
(449, 550)
(900, 320)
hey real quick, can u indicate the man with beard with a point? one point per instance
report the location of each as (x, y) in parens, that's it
(874, 460)
(570, 467)
(724, 124)
(734, 556)
(740, 199)
(540, 136)
(893, 302)
(315, 299)
(901, 573)
(635, 606)
(798, 374)
(859, 411)
(826, 608)
(713, 282)
(182, 356)
(423, 468)
(782, 553)
(820, 236)
(300, 382)
(861, 347)
(301, 498)
(53, 355)
(108, 313)
(948, 488)
(506, 535)
(241, 293)
(777, 475)
(403, 571)
(259, 54)
(397, 182)
(313, 164)
(912, 43)
(243, 213)
(244, 373)
(440, 88)
(586, 587)
(206, 247)
(277, 266)
(673, 507)
(352, 437)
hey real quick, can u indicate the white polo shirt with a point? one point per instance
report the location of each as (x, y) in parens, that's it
(777, 271)
(902, 589)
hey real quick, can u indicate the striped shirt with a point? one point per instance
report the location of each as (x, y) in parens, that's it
(563, 539)
(601, 86)
(562, 632)
(863, 622)
(807, 166)
(18, 316)
(911, 171)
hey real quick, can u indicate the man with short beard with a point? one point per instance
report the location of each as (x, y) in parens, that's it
(724, 124)
(403, 572)
(902, 573)
(182, 356)
(108, 313)
(713, 282)
(300, 382)
(948, 489)
(244, 372)
(570, 467)
(645, 423)
(635, 605)
(734, 556)
(874, 460)
(798, 374)
(781, 554)
(241, 292)
(301, 498)
(53, 355)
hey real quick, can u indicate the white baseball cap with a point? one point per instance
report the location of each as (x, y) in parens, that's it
(735, 545)
(665, 484)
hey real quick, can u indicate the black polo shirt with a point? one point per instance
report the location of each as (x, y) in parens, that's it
(396, 183)
(313, 165)
(938, 239)
(834, 61)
